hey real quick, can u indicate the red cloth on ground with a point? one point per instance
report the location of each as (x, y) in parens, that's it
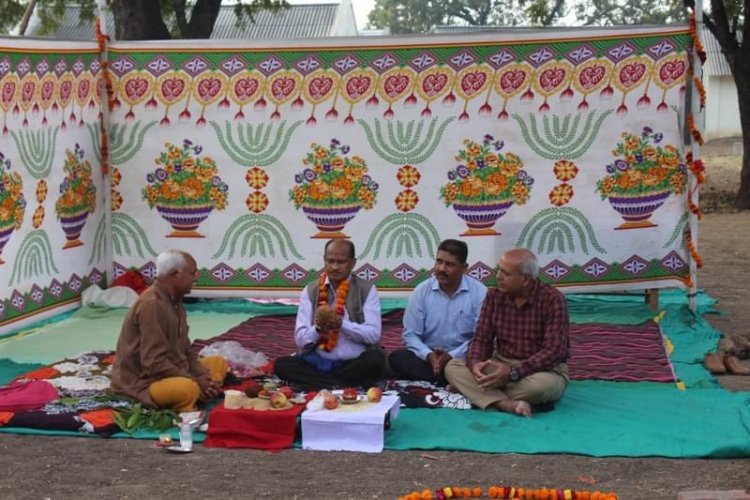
(31, 395)
(263, 430)
(41, 373)
(132, 279)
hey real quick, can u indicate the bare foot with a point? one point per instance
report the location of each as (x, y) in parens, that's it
(515, 406)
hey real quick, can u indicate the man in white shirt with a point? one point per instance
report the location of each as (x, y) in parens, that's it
(338, 327)
(441, 317)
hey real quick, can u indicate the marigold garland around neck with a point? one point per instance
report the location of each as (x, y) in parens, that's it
(341, 292)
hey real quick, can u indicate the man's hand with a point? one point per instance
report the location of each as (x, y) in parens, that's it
(438, 359)
(491, 374)
(209, 388)
(326, 318)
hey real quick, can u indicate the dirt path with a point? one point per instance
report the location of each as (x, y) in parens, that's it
(53, 467)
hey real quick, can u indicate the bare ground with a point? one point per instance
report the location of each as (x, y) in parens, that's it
(55, 467)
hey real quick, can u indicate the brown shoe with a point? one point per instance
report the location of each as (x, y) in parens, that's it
(735, 366)
(714, 363)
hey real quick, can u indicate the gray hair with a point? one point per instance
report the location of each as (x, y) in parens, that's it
(529, 265)
(168, 261)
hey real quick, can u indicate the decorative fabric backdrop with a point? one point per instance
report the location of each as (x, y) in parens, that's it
(252, 158)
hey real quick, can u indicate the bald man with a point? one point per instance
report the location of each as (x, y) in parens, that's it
(154, 362)
(516, 361)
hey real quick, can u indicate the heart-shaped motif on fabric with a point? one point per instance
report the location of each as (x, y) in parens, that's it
(631, 74)
(357, 86)
(319, 87)
(65, 88)
(9, 89)
(395, 85)
(172, 89)
(591, 76)
(471, 83)
(434, 83)
(551, 78)
(282, 88)
(84, 87)
(672, 71)
(27, 91)
(209, 88)
(47, 89)
(245, 88)
(511, 81)
(135, 88)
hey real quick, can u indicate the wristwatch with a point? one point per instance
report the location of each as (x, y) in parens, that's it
(514, 376)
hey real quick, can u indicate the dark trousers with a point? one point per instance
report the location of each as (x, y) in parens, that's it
(407, 365)
(366, 370)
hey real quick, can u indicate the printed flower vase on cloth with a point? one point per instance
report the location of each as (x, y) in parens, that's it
(332, 188)
(643, 176)
(485, 185)
(341, 293)
(185, 189)
(12, 202)
(77, 197)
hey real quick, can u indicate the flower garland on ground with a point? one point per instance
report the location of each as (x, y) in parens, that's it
(508, 492)
(341, 293)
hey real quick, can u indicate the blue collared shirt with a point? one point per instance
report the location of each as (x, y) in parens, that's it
(435, 320)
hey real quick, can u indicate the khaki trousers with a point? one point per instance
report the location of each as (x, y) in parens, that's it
(182, 393)
(540, 387)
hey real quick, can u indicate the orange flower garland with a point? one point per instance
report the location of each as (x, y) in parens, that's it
(508, 492)
(341, 292)
(696, 40)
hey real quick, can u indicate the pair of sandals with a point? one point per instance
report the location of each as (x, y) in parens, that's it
(719, 364)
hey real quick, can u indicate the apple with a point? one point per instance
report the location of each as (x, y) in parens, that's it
(253, 390)
(287, 391)
(374, 394)
(350, 394)
(331, 402)
(278, 400)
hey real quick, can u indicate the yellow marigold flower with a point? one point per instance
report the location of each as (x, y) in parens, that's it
(495, 184)
(337, 163)
(520, 193)
(451, 191)
(341, 188)
(650, 153)
(491, 159)
(318, 190)
(406, 200)
(218, 198)
(192, 188)
(367, 197)
(208, 162)
(298, 194)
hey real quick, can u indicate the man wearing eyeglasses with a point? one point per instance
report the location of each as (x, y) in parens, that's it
(154, 363)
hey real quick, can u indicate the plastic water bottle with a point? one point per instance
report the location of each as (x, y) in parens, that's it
(186, 436)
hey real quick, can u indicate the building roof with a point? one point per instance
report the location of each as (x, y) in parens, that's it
(716, 64)
(298, 21)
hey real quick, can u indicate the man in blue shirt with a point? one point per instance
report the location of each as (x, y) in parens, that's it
(441, 317)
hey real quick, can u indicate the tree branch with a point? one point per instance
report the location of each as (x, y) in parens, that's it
(179, 13)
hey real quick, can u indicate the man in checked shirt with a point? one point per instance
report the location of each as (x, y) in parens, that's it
(516, 361)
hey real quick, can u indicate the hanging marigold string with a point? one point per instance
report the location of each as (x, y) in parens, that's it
(341, 293)
(696, 39)
(509, 492)
(694, 130)
(101, 40)
(701, 91)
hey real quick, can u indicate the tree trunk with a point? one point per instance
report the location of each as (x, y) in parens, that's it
(139, 20)
(202, 19)
(742, 80)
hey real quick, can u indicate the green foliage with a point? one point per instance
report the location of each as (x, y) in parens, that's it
(614, 12)
(421, 16)
(137, 417)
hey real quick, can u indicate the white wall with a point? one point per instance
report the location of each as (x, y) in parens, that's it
(722, 115)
